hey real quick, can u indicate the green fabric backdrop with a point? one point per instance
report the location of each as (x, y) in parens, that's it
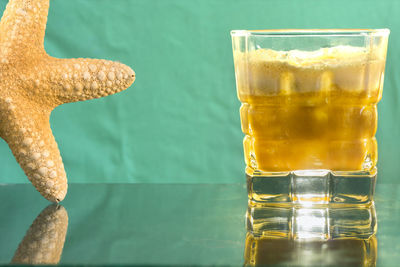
(179, 122)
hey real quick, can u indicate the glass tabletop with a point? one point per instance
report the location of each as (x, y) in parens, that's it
(192, 224)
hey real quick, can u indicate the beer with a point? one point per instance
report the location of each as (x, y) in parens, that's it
(310, 110)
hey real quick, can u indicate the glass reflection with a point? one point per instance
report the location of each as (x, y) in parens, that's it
(44, 241)
(299, 236)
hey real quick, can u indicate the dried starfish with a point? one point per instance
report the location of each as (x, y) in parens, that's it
(44, 241)
(33, 83)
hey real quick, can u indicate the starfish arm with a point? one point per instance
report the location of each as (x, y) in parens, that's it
(30, 139)
(22, 29)
(71, 80)
(44, 241)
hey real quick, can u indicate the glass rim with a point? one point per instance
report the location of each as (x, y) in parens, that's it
(310, 32)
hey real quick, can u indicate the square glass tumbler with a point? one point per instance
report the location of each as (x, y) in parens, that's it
(309, 112)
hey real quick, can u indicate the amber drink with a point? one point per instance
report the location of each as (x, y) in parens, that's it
(309, 112)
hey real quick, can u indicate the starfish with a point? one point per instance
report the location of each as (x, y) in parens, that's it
(44, 241)
(32, 84)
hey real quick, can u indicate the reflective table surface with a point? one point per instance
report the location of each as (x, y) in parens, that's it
(192, 224)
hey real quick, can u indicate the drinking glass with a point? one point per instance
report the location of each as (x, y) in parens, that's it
(311, 236)
(309, 112)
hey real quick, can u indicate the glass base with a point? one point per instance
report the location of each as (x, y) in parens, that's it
(311, 223)
(311, 187)
(321, 235)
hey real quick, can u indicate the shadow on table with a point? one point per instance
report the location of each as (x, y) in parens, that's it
(299, 236)
(44, 241)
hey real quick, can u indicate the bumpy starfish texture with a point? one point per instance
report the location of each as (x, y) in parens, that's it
(44, 241)
(33, 83)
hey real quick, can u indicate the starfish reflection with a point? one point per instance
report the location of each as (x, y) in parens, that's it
(44, 241)
(316, 236)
